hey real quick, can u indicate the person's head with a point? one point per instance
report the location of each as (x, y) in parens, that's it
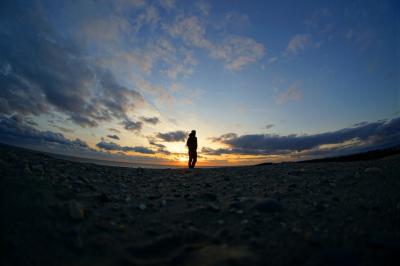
(193, 133)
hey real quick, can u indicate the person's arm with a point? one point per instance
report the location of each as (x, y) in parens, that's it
(195, 143)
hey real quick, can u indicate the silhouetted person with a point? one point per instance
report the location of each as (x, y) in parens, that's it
(192, 145)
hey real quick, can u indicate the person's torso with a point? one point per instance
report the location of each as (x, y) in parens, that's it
(192, 143)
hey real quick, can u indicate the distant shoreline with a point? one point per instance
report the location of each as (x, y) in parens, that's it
(105, 162)
(363, 156)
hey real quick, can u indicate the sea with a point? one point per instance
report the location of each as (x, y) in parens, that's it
(114, 163)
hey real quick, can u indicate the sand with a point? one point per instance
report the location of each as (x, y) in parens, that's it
(58, 212)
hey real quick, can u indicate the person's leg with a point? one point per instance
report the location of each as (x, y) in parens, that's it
(190, 159)
(194, 160)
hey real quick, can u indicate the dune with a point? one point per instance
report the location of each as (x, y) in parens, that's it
(59, 212)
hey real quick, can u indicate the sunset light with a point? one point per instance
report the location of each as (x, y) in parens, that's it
(129, 80)
(200, 132)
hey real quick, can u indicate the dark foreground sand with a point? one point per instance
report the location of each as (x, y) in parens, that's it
(56, 212)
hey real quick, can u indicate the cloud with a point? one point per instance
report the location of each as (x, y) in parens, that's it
(168, 4)
(158, 145)
(43, 72)
(150, 120)
(114, 130)
(375, 134)
(149, 17)
(224, 137)
(298, 43)
(117, 101)
(158, 91)
(111, 146)
(113, 137)
(321, 21)
(14, 131)
(272, 60)
(161, 147)
(63, 129)
(191, 30)
(292, 94)
(181, 66)
(269, 126)
(174, 136)
(235, 51)
(231, 21)
(164, 151)
(131, 125)
(204, 7)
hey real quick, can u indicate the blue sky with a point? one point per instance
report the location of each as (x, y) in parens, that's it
(109, 79)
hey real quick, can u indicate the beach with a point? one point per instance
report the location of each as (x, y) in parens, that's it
(59, 212)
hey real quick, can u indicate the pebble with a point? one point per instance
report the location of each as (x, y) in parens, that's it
(76, 211)
(128, 199)
(387, 244)
(373, 170)
(320, 206)
(337, 257)
(163, 202)
(140, 170)
(313, 238)
(37, 168)
(104, 198)
(209, 196)
(213, 207)
(268, 205)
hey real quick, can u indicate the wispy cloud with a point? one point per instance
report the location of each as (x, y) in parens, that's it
(150, 120)
(150, 17)
(111, 146)
(63, 129)
(161, 147)
(204, 7)
(173, 136)
(132, 125)
(114, 130)
(298, 43)
(113, 137)
(272, 60)
(293, 93)
(168, 4)
(269, 126)
(235, 51)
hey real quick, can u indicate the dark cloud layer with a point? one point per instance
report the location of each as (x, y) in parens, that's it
(174, 136)
(14, 131)
(42, 72)
(161, 147)
(151, 120)
(114, 130)
(371, 134)
(269, 126)
(132, 125)
(111, 146)
(63, 129)
(113, 137)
